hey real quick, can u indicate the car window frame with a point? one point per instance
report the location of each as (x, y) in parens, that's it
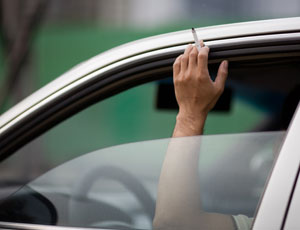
(127, 73)
(275, 202)
(208, 34)
(292, 219)
(21, 226)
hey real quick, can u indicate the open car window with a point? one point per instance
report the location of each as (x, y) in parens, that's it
(117, 186)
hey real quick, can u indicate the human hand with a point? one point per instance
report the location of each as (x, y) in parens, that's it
(196, 93)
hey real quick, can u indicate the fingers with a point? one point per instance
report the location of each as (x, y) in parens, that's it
(222, 76)
(185, 58)
(203, 58)
(193, 58)
(177, 66)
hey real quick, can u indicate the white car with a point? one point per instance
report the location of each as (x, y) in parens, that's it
(50, 179)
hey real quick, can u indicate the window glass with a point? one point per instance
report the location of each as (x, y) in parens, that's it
(116, 187)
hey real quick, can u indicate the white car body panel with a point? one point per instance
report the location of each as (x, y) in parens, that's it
(292, 220)
(273, 207)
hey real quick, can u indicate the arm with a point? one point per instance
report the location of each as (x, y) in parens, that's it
(178, 204)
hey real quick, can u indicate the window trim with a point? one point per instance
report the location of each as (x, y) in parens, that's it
(21, 226)
(274, 203)
(292, 219)
(219, 49)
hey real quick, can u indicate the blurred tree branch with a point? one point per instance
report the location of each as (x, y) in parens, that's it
(17, 32)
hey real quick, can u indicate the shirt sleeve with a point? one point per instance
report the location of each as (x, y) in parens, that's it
(243, 222)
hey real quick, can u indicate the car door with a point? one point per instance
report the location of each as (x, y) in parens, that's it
(256, 54)
(280, 202)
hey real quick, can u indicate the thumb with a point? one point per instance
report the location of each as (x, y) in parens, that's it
(222, 75)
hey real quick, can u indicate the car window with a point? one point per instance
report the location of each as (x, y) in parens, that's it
(116, 187)
(260, 96)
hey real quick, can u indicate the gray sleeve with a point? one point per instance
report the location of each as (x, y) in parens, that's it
(242, 222)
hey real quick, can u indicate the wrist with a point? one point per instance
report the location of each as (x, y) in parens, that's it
(189, 124)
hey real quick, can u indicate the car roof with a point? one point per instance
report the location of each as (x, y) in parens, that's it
(213, 33)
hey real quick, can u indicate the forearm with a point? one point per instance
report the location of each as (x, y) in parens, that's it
(179, 189)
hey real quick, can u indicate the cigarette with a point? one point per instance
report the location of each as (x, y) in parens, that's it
(196, 39)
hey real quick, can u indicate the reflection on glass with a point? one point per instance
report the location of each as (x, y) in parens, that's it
(116, 187)
(223, 192)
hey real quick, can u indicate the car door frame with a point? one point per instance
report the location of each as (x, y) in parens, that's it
(292, 220)
(275, 202)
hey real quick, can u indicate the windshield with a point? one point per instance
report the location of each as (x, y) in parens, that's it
(117, 186)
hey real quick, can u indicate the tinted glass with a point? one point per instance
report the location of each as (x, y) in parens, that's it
(116, 187)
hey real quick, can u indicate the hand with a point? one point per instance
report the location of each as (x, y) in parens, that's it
(196, 93)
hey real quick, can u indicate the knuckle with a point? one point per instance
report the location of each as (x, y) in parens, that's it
(224, 71)
(176, 64)
(177, 61)
(181, 82)
(178, 79)
(202, 55)
(184, 59)
(200, 78)
(193, 54)
(186, 74)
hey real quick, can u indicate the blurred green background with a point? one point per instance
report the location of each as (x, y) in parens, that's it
(128, 117)
(72, 31)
